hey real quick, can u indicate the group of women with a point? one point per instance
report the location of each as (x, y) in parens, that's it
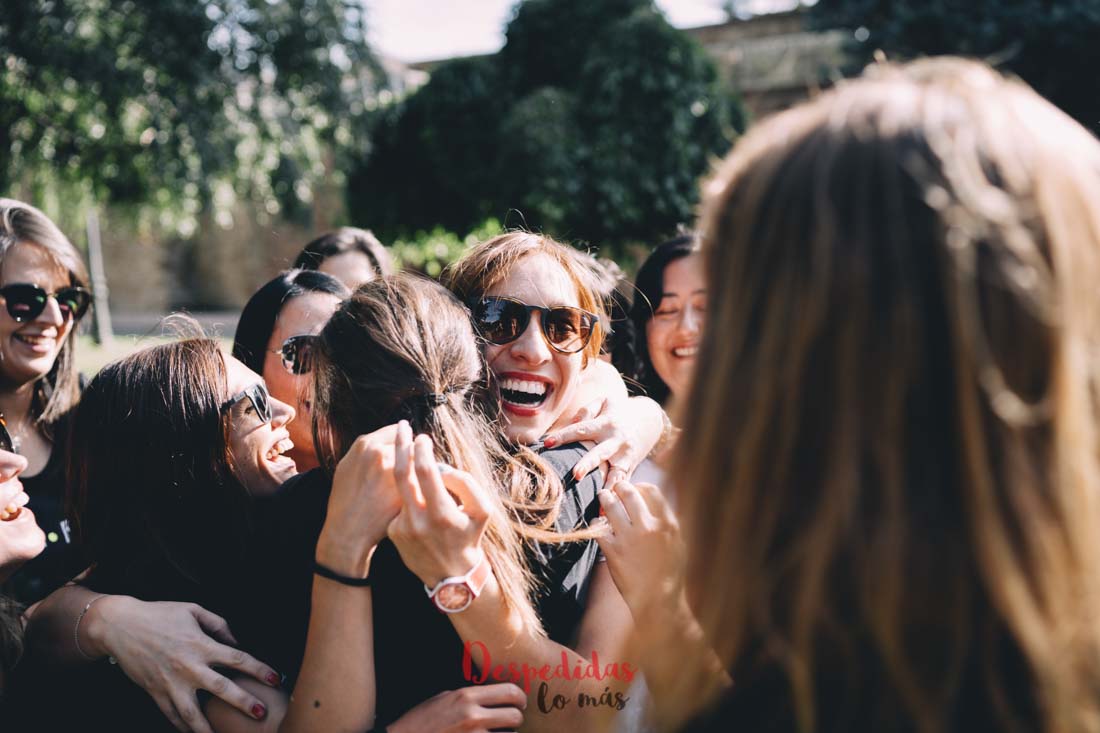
(863, 399)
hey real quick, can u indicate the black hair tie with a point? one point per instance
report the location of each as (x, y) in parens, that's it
(327, 572)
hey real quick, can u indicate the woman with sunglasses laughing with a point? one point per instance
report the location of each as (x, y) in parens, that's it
(274, 339)
(183, 521)
(535, 304)
(169, 448)
(43, 292)
(200, 439)
(536, 309)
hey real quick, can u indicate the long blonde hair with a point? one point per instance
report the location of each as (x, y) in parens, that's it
(889, 457)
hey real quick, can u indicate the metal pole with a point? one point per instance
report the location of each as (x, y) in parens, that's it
(102, 333)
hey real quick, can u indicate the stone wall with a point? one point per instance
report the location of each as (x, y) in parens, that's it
(772, 60)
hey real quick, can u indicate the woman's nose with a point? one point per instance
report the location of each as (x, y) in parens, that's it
(691, 320)
(51, 314)
(281, 413)
(531, 346)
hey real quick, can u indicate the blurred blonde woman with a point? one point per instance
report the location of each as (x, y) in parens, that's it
(891, 442)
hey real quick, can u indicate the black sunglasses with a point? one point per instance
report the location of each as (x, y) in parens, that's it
(503, 320)
(25, 301)
(297, 353)
(256, 394)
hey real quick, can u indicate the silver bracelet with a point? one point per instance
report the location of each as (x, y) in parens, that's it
(76, 628)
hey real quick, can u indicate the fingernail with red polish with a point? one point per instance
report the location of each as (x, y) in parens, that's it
(550, 442)
(272, 679)
(258, 711)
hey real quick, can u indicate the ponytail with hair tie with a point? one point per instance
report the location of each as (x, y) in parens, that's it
(419, 404)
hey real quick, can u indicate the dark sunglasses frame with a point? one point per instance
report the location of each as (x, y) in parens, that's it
(258, 395)
(587, 319)
(34, 298)
(296, 353)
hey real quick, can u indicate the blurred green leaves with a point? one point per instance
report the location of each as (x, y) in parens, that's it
(168, 102)
(430, 252)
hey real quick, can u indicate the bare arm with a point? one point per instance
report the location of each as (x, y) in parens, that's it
(437, 540)
(170, 650)
(625, 429)
(646, 557)
(336, 687)
(607, 624)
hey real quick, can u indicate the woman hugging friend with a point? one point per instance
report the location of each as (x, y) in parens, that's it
(398, 349)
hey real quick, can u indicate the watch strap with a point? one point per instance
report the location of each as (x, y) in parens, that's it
(475, 580)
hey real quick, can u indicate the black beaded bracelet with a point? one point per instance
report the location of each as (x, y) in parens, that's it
(324, 572)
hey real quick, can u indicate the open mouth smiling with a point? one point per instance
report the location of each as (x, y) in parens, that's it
(275, 452)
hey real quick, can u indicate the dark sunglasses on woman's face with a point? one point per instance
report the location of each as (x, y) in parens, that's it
(256, 394)
(503, 320)
(297, 353)
(25, 301)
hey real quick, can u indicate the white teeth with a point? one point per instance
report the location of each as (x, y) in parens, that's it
(279, 448)
(522, 385)
(685, 350)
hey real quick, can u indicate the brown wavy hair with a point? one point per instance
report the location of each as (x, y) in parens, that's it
(890, 448)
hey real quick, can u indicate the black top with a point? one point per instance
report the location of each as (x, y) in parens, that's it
(60, 561)
(418, 654)
(99, 696)
(565, 571)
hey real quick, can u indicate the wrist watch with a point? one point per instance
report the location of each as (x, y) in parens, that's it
(455, 594)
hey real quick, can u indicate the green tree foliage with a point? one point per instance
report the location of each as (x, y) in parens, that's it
(430, 155)
(1051, 44)
(594, 122)
(163, 101)
(652, 126)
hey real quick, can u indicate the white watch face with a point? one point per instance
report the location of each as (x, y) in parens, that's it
(453, 597)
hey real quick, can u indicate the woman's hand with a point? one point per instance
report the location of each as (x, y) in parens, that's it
(171, 651)
(645, 550)
(21, 538)
(363, 502)
(625, 430)
(475, 709)
(436, 537)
